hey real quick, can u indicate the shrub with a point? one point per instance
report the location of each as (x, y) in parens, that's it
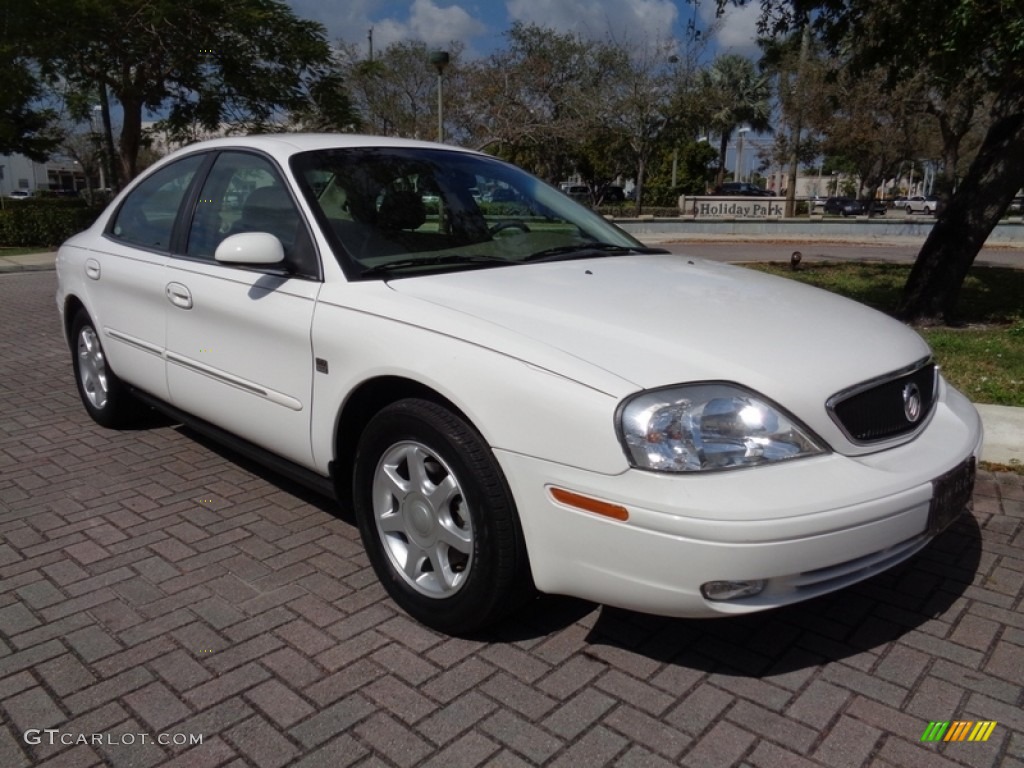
(627, 210)
(46, 222)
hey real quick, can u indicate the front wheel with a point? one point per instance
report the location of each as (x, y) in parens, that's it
(437, 518)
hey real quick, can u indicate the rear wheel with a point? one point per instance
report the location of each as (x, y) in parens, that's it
(105, 397)
(437, 518)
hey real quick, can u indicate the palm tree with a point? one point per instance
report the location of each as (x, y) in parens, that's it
(736, 95)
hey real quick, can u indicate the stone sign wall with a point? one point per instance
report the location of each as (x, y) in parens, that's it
(732, 207)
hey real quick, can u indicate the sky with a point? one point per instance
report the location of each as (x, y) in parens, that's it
(480, 24)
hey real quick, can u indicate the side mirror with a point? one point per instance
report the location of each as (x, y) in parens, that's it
(250, 248)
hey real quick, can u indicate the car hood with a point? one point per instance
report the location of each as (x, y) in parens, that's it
(662, 319)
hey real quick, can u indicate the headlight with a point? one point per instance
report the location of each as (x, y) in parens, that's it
(710, 426)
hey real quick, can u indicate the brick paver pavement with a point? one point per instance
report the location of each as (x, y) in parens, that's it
(154, 586)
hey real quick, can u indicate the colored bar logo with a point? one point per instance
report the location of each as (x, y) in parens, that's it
(958, 730)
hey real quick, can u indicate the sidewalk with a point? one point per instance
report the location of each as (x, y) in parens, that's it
(28, 262)
(1004, 426)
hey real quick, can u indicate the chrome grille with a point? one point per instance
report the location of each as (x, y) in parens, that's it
(888, 407)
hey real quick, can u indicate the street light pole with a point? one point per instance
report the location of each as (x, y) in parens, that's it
(440, 60)
(739, 155)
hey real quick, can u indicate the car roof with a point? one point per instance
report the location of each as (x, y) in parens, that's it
(283, 145)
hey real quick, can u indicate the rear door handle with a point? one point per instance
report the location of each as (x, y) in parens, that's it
(92, 269)
(179, 295)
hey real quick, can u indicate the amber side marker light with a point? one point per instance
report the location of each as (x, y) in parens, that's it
(587, 504)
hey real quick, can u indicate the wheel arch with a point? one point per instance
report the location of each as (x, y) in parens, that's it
(362, 404)
(72, 306)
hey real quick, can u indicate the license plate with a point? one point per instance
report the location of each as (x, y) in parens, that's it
(951, 494)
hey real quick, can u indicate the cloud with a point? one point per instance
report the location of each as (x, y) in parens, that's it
(737, 29)
(479, 24)
(425, 20)
(639, 21)
(347, 20)
(433, 24)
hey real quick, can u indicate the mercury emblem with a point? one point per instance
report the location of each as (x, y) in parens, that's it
(912, 402)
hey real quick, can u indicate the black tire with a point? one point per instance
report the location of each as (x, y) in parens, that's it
(501, 226)
(106, 399)
(448, 547)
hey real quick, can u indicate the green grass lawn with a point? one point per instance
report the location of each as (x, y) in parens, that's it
(983, 358)
(22, 251)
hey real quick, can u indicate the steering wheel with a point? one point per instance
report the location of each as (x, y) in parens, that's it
(511, 224)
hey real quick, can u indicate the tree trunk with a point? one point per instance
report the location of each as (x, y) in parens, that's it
(131, 137)
(114, 180)
(640, 185)
(722, 149)
(933, 288)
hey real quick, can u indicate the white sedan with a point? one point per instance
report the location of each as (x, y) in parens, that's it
(519, 401)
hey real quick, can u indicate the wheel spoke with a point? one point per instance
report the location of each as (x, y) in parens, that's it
(393, 522)
(441, 562)
(442, 494)
(457, 538)
(419, 478)
(414, 560)
(389, 479)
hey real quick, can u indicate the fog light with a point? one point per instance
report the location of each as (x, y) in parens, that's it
(731, 590)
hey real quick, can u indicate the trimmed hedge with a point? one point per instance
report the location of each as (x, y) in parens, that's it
(628, 211)
(44, 222)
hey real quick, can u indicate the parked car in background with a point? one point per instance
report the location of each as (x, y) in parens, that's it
(612, 194)
(879, 207)
(844, 206)
(927, 204)
(1016, 207)
(742, 188)
(506, 403)
(578, 192)
(501, 194)
(20, 194)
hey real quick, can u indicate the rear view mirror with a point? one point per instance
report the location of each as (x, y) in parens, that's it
(250, 248)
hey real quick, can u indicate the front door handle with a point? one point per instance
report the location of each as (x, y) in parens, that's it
(179, 295)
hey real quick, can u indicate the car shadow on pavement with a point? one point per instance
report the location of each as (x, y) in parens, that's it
(278, 480)
(839, 626)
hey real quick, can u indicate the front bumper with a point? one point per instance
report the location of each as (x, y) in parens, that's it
(806, 527)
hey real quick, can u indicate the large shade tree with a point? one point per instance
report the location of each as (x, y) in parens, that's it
(538, 100)
(26, 124)
(979, 43)
(197, 62)
(396, 90)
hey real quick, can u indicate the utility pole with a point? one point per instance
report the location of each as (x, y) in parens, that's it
(440, 60)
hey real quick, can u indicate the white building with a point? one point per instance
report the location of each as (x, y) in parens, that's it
(18, 172)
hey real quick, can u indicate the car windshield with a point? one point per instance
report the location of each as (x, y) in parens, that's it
(401, 212)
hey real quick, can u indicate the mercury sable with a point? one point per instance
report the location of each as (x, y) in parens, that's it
(511, 393)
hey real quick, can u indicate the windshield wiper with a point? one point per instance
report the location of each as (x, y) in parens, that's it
(432, 261)
(587, 251)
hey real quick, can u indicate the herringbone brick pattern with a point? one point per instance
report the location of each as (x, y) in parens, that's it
(153, 586)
